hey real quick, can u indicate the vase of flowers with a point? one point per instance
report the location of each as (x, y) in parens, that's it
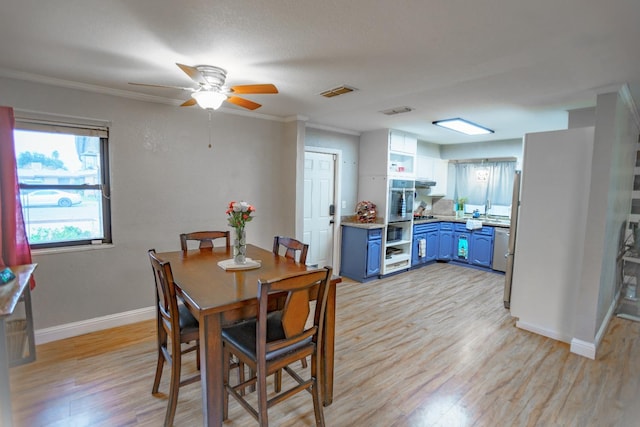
(239, 214)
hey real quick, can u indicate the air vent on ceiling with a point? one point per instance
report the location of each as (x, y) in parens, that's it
(340, 90)
(397, 110)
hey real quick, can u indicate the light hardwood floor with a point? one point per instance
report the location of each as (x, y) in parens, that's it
(432, 347)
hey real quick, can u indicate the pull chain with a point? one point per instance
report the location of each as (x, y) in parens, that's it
(210, 132)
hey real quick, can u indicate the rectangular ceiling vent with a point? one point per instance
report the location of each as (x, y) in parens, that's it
(397, 110)
(340, 90)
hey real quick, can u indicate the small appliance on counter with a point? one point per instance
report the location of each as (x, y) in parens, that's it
(420, 209)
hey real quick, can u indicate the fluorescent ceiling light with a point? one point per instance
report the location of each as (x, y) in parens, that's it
(463, 126)
(209, 99)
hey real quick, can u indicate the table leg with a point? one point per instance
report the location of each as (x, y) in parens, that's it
(5, 392)
(211, 369)
(328, 347)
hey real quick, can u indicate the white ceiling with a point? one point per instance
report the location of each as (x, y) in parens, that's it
(513, 66)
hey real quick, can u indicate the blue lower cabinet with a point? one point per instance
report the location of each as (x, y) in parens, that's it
(426, 239)
(461, 243)
(416, 259)
(445, 245)
(481, 253)
(433, 240)
(361, 253)
(374, 253)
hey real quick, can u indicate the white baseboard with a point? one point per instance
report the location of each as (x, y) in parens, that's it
(589, 349)
(69, 330)
(583, 348)
(542, 331)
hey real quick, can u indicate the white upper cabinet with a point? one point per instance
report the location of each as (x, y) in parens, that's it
(388, 153)
(402, 155)
(433, 169)
(440, 176)
(425, 168)
(402, 143)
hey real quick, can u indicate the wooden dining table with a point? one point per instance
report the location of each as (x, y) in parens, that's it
(219, 297)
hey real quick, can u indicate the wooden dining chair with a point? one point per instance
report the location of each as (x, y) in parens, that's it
(205, 238)
(176, 324)
(274, 340)
(292, 247)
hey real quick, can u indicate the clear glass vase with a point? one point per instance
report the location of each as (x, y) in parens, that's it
(240, 247)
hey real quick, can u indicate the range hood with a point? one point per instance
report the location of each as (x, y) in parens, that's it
(425, 183)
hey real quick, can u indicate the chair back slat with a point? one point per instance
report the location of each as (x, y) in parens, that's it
(205, 238)
(295, 313)
(296, 307)
(292, 247)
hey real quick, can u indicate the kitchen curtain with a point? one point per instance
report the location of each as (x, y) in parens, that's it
(14, 245)
(485, 183)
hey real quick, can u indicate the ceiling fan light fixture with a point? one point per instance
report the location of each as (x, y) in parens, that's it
(463, 126)
(209, 99)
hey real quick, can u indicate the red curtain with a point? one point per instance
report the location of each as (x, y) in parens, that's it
(14, 245)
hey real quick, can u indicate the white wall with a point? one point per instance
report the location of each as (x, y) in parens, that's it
(609, 206)
(165, 180)
(484, 150)
(348, 144)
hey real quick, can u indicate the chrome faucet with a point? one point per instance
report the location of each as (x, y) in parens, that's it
(487, 206)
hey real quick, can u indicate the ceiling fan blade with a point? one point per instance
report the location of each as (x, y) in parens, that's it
(243, 102)
(194, 73)
(163, 86)
(265, 88)
(189, 102)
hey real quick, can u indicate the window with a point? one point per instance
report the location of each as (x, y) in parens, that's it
(63, 173)
(485, 185)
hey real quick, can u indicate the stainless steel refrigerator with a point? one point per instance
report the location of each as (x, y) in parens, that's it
(515, 204)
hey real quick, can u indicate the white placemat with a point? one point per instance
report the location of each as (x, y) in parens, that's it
(230, 264)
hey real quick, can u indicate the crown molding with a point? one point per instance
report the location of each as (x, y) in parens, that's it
(51, 81)
(332, 129)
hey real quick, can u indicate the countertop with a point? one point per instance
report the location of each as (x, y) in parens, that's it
(367, 225)
(493, 222)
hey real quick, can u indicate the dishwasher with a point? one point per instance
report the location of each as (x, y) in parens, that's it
(500, 249)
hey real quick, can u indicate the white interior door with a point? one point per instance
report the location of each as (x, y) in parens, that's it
(318, 212)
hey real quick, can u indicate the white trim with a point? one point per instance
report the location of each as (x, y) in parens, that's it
(35, 78)
(76, 248)
(69, 330)
(607, 319)
(542, 331)
(295, 118)
(589, 349)
(583, 348)
(332, 129)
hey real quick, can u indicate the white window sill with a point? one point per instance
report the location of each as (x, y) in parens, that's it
(65, 249)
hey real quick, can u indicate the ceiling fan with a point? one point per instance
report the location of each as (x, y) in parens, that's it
(211, 91)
